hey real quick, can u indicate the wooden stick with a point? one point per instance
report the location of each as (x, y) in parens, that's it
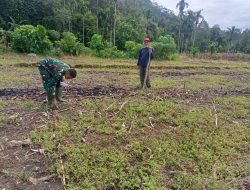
(35, 181)
(151, 122)
(147, 68)
(215, 114)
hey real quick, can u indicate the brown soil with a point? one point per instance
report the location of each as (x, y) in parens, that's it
(86, 66)
(184, 74)
(18, 163)
(38, 94)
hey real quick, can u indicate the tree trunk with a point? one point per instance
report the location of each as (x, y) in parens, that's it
(115, 24)
(111, 31)
(179, 36)
(194, 35)
(69, 25)
(83, 34)
(97, 20)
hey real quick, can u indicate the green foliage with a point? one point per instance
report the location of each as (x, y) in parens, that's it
(98, 46)
(69, 44)
(96, 42)
(195, 51)
(27, 39)
(132, 49)
(165, 48)
(87, 51)
(134, 21)
(2, 40)
(213, 48)
(54, 35)
(56, 52)
(111, 52)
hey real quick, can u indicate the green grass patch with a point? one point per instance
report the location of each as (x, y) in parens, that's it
(146, 145)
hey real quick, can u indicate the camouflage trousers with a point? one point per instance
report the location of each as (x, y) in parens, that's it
(46, 79)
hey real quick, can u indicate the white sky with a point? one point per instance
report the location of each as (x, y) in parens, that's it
(226, 13)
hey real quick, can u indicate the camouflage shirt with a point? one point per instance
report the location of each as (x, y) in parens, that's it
(52, 72)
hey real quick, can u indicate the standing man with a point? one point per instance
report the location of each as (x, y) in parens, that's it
(53, 72)
(145, 55)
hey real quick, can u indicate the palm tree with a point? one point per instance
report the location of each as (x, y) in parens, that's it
(13, 24)
(232, 32)
(181, 5)
(198, 16)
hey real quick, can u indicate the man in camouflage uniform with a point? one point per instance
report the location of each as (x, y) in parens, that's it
(53, 73)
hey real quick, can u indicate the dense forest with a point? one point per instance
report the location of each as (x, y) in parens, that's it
(119, 21)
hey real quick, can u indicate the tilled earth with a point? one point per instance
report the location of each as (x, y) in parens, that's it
(38, 94)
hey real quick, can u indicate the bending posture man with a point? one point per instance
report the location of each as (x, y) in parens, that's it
(53, 73)
(145, 55)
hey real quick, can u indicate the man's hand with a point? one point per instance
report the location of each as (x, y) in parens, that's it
(63, 84)
(55, 104)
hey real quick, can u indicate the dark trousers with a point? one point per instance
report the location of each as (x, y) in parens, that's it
(142, 77)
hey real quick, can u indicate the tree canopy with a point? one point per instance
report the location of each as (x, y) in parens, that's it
(118, 21)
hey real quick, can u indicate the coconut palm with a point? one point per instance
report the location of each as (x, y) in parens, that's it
(198, 17)
(182, 5)
(13, 24)
(233, 31)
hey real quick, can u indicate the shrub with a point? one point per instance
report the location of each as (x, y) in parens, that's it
(27, 39)
(214, 48)
(2, 40)
(69, 44)
(195, 51)
(86, 51)
(132, 49)
(165, 48)
(56, 52)
(112, 52)
(96, 42)
(54, 35)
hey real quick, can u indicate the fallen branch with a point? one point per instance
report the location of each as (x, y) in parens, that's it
(41, 151)
(85, 134)
(151, 122)
(35, 181)
(63, 175)
(23, 142)
(122, 106)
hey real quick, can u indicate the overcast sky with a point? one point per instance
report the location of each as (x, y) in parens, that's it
(226, 13)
